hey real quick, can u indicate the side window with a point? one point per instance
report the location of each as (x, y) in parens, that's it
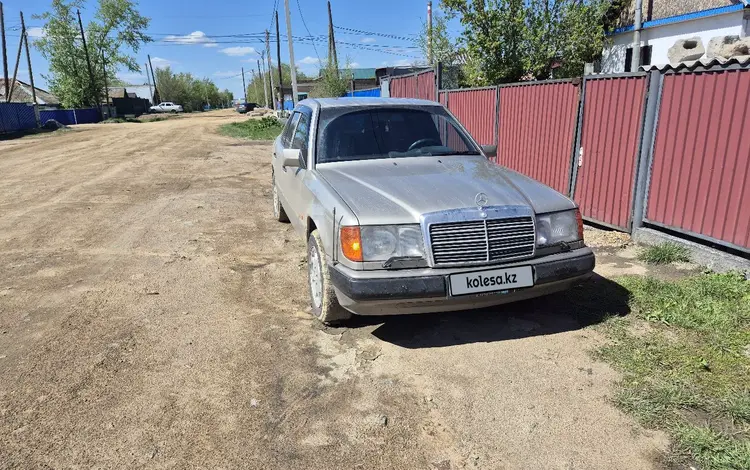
(301, 134)
(291, 124)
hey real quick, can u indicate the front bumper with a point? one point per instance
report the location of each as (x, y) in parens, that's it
(426, 290)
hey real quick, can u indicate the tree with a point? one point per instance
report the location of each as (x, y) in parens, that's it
(444, 49)
(192, 93)
(259, 96)
(116, 29)
(509, 40)
(332, 83)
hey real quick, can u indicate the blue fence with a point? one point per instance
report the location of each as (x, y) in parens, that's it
(16, 117)
(71, 116)
(375, 92)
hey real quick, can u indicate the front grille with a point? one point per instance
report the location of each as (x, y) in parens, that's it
(481, 241)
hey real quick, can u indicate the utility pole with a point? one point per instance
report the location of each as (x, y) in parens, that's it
(150, 90)
(270, 71)
(5, 52)
(292, 64)
(25, 38)
(106, 87)
(255, 85)
(244, 87)
(88, 62)
(153, 77)
(332, 42)
(15, 70)
(636, 58)
(429, 32)
(265, 90)
(278, 63)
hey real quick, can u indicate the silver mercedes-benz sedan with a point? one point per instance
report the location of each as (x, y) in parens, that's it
(403, 212)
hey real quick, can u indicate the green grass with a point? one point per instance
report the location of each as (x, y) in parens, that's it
(267, 128)
(685, 359)
(664, 253)
(119, 120)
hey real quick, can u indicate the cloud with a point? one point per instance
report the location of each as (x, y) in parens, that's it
(35, 32)
(228, 74)
(159, 62)
(398, 63)
(196, 37)
(238, 51)
(309, 60)
(368, 40)
(354, 65)
(133, 78)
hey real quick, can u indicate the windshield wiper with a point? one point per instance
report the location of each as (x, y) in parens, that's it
(463, 152)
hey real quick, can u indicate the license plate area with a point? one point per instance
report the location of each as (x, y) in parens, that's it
(491, 280)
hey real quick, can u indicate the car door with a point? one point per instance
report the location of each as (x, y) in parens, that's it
(284, 176)
(298, 194)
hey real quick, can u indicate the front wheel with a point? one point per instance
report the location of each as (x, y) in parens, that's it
(325, 305)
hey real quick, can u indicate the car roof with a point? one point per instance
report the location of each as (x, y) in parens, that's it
(325, 103)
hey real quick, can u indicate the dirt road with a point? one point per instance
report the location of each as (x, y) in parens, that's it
(152, 314)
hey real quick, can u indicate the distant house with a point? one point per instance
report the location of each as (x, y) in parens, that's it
(363, 78)
(22, 94)
(665, 22)
(132, 91)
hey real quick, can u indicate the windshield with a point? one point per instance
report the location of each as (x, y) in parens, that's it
(371, 133)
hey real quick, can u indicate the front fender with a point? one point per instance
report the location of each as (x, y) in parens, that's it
(324, 202)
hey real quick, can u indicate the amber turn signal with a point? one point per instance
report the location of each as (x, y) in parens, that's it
(351, 243)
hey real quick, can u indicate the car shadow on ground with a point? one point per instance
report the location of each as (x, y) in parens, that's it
(586, 304)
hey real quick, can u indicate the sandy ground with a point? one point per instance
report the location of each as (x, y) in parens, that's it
(152, 314)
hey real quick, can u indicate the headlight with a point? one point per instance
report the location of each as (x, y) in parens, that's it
(558, 227)
(383, 242)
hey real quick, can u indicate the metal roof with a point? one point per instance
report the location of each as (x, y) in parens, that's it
(685, 17)
(366, 101)
(361, 74)
(702, 64)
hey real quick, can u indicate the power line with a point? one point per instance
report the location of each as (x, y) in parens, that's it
(375, 33)
(307, 29)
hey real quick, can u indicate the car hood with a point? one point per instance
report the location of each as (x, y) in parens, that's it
(398, 191)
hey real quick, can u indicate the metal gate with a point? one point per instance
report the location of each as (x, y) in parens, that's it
(536, 130)
(608, 148)
(700, 168)
(476, 109)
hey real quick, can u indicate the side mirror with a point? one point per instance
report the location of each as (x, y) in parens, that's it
(291, 158)
(490, 151)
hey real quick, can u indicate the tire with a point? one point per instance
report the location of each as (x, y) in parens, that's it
(278, 210)
(325, 305)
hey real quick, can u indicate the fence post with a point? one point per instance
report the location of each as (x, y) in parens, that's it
(648, 134)
(75, 117)
(497, 120)
(438, 80)
(573, 174)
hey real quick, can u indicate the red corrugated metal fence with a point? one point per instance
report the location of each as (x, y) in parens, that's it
(421, 85)
(403, 87)
(610, 138)
(536, 130)
(700, 165)
(426, 87)
(475, 109)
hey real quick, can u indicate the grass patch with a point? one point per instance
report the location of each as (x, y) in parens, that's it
(685, 359)
(267, 128)
(664, 253)
(119, 120)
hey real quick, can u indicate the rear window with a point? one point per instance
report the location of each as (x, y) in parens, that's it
(378, 132)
